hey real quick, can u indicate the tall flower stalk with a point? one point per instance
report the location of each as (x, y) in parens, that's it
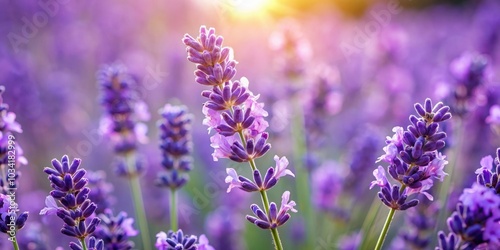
(233, 111)
(121, 124)
(69, 201)
(175, 143)
(414, 161)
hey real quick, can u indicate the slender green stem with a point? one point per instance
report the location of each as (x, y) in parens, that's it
(82, 241)
(135, 187)
(265, 200)
(383, 234)
(276, 238)
(388, 221)
(173, 210)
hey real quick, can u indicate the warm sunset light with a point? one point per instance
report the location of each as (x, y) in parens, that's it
(250, 6)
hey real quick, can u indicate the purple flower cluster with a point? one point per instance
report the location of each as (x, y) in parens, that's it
(100, 190)
(115, 231)
(476, 221)
(71, 192)
(275, 217)
(471, 71)
(413, 157)
(233, 111)
(327, 186)
(488, 174)
(124, 112)
(180, 241)
(175, 137)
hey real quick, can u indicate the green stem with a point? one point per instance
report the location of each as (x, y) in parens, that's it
(265, 200)
(140, 213)
(82, 241)
(388, 221)
(173, 209)
(383, 234)
(276, 238)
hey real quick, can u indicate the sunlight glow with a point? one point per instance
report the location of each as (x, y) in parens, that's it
(249, 6)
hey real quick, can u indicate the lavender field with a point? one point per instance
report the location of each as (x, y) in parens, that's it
(241, 125)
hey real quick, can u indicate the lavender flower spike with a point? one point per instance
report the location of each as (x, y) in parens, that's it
(71, 193)
(175, 137)
(414, 160)
(234, 113)
(124, 112)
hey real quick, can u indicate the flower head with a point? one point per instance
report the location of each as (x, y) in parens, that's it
(275, 217)
(69, 189)
(115, 231)
(175, 144)
(413, 157)
(123, 108)
(180, 241)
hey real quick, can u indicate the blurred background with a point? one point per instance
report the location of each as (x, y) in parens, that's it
(335, 75)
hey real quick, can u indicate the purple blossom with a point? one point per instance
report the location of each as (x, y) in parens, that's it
(471, 71)
(203, 243)
(100, 190)
(494, 116)
(180, 241)
(51, 206)
(176, 146)
(70, 190)
(115, 231)
(274, 218)
(123, 108)
(413, 157)
(224, 228)
(281, 167)
(234, 112)
(489, 174)
(232, 179)
(222, 145)
(326, 185)
(380, 178)
(394, 144)
(476, 221)
(479, 197)
(258, 184)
